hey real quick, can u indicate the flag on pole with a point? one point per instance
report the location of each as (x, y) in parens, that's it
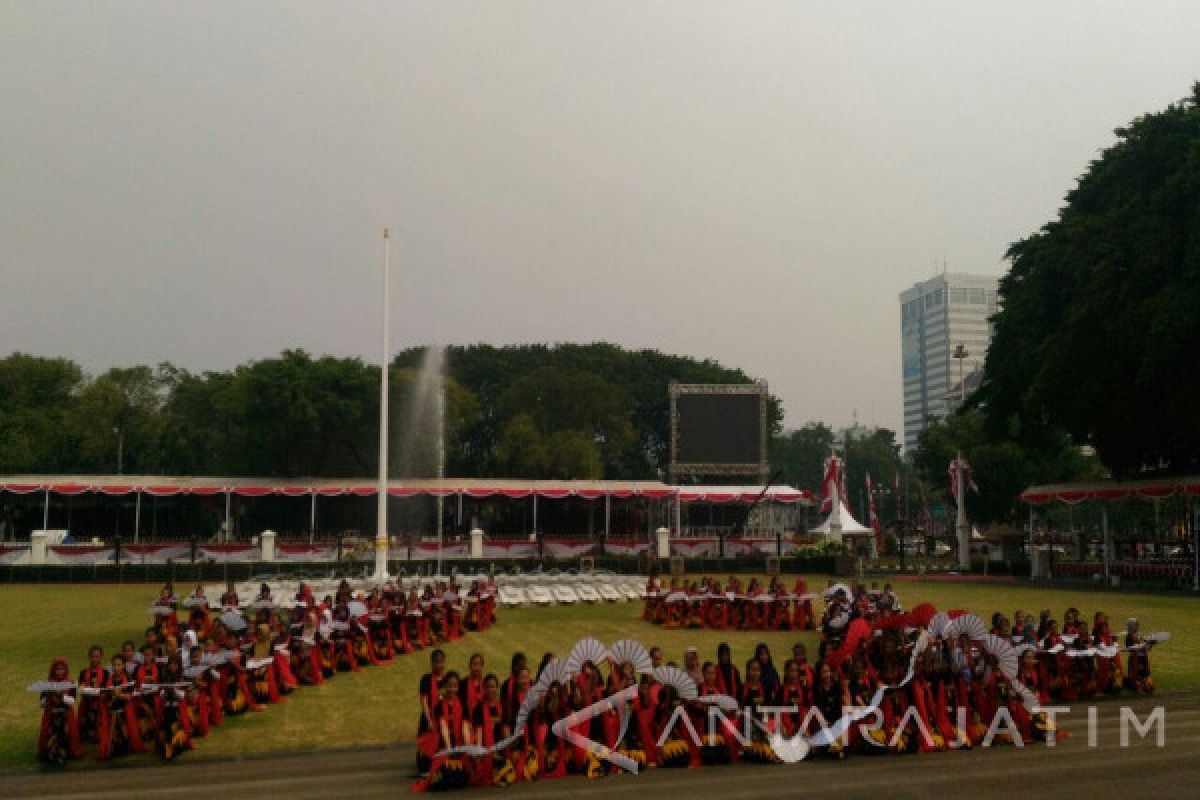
(960, 466)
(834, 477)
(873, 517)
(896, 488)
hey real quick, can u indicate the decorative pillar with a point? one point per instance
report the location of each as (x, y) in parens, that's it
(476, 544)
(37, 547)
(266, 545)
(663, 537)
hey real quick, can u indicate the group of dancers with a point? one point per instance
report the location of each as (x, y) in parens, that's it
(196, 667)
(883, 681)
(757, 606)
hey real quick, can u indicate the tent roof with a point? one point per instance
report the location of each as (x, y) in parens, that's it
(165, 485)
(1148, 489)
(850, 526)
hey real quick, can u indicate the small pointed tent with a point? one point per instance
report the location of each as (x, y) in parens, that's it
(841, 522)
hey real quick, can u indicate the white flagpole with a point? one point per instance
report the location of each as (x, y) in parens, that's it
(381, 531)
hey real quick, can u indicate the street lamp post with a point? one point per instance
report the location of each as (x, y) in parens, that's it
(960, 353)
(120, 432)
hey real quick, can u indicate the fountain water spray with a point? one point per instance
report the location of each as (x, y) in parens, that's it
(420, 455)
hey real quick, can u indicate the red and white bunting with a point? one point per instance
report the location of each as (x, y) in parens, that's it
(14, 554)
(227, 552)
(566, 548)
(626, 547)
(79, 554)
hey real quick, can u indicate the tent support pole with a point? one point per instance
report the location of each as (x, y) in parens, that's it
(312, 518)
(228, 517)
(46, 512)
(137, 516)
(1104, 541)
(1031, 553)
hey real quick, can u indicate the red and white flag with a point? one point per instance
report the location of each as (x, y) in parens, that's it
(872, 516)
(834, 477)
(959, 466)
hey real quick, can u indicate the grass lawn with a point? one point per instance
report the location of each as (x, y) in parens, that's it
(378, 705)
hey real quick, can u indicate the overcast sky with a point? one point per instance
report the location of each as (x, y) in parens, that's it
(206, 183)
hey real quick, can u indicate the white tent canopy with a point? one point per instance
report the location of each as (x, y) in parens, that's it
(849, 525)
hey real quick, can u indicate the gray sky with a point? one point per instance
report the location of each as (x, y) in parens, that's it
(205, 183)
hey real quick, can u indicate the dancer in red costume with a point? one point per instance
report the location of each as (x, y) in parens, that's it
(58, 735)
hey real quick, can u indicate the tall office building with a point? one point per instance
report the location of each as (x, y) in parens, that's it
(936, 316)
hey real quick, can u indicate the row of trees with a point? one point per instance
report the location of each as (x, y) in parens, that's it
(571, 411)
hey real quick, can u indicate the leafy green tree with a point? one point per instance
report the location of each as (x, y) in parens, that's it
(876, 453)
(520, 450)
(1003, 467)
(116, 420)
(1100, 313)
(36, 395)
(799, 455)
(616, 397)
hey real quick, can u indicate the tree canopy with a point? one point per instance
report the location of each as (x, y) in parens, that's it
(534, 411)
(1100, 320)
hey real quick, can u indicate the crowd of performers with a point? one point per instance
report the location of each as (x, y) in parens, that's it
(756, 606)
(936, 681)
(195, 667)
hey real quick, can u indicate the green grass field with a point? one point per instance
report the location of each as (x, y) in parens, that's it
(378, 705)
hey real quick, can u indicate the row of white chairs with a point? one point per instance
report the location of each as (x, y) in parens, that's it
(577, 589)
(521, 589)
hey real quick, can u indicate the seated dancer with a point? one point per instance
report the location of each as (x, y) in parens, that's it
(860, 686)
(58, 736)
(230, 599)
(131, 657)
(379, 630)
(551, 748)
(511, 695)
(305, 649)
(143, 704)
(398, 620)
(1109, 674)
(1032, 726)
(174, 722)
(829, 698)
(1083, 661)
(756, 694)
(93, 707)
(1054, 659)
(1137, 676)
(897, 733)
(234, 679)
(429, 693)
(487, 728)
(677, 748)
(728, 677)
(470, 688)
(281, 643)
(770, 676)
(718, 737)
(343, 634)
(260, 663)
(123, 737)
(450, 729)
